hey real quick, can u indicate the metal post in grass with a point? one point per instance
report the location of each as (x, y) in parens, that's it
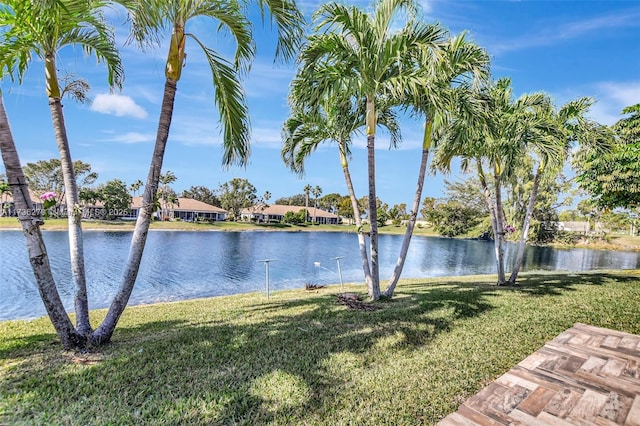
(266, 268)
(337, 259)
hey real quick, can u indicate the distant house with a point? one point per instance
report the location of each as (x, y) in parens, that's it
(323, 217)
(276, 212)
(581, 227)
(254, 213)
(8, 207)
(186, 209)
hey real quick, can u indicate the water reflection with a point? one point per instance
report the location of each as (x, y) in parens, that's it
(179, 265)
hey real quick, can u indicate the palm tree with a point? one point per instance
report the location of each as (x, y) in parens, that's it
(306, 190)
(367, 57)
(38, 257)
(495, 132)
(43, 28)
(332, 120)
(135, 187)
(166, 194)
(554, 135)
(444, 75)
(316, 191)
(149, 18)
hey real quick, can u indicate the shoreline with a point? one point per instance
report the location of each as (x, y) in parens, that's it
(335, 288)
(615, 243)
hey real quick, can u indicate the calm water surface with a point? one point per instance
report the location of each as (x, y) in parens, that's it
(181, 265)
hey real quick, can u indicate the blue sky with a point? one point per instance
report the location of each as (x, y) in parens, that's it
(567, 49)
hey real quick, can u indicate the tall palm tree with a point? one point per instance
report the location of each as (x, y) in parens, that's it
(149, 19)
(35, 244)
(368, 57)
(332, 120)
(43, 28)
(496, 132)
(433, 94)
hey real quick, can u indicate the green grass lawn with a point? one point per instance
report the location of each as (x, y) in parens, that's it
(302, 358)
(117, 225)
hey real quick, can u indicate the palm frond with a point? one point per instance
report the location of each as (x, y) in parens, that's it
(230, 100)
(231, 17)
(290, 23)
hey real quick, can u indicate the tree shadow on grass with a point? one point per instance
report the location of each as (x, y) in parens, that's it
(554, 284)
(13, 347)
(275, 363)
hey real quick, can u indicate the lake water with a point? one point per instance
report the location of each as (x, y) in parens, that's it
(182, 265)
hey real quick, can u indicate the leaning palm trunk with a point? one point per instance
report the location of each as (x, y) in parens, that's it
(104, 332)
(374, 287)
(494, 223)
(362, 244)
(525, 227)
(35, 245)
(404, 249)
(74, 213)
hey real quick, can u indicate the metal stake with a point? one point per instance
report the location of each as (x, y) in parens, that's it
(337, 259)
(266, 267)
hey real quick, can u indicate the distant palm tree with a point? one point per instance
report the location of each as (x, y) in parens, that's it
(42, 28)
(368, 59)
(316, 191)
(307, 190)
(135, 187)
(166, 194)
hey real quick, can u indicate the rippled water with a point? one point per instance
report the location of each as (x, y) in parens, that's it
(181, 265)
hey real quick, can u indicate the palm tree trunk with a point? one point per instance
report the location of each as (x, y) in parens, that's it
(38, 257)
(499, 240)
(404, 249)
(74, 214)
(362, 244)
(494, 217)
(525, 227)
(104, 332)
(374, 289)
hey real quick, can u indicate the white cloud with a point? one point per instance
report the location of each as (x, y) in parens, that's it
(549, 36)
(131, 137)
(625, 94)
(612, 98)
(118, 105)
